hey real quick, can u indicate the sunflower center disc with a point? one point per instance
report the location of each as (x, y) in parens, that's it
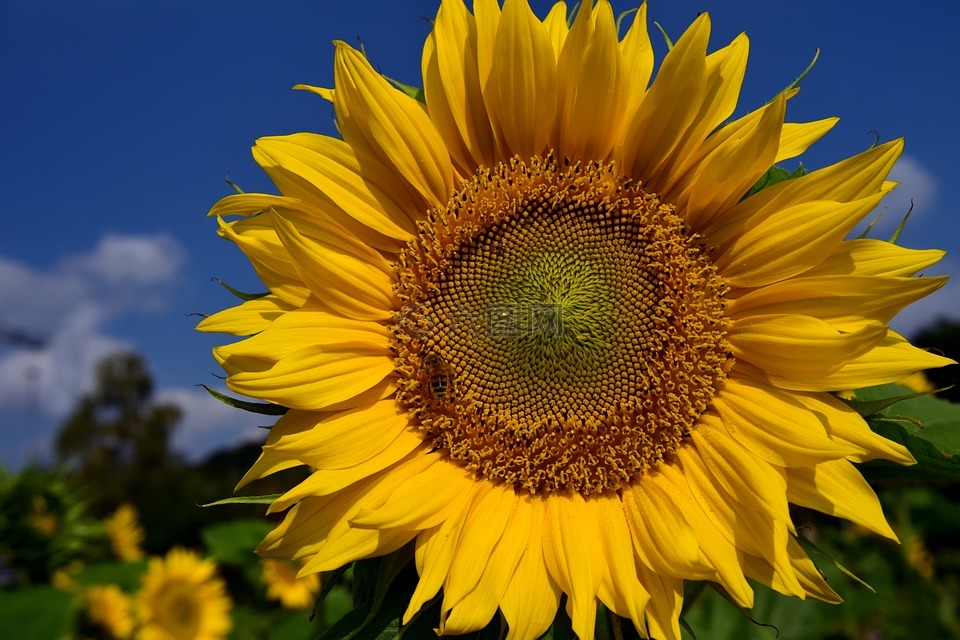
(560, 329)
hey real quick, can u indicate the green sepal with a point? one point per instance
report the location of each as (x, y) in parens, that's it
(414, 92)
(263, 408)
(267, 498)
(329, 580)
(810, 547)
(871, 408)
(246, 297)
(774, 175)
(796, 83)
(666, 38)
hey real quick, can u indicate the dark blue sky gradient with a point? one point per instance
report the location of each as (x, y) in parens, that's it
(124, 116)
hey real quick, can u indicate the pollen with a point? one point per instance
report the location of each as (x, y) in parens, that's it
(560, 328)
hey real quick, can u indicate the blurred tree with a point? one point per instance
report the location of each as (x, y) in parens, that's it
(943, 336)
(117, 441)
(116, 427)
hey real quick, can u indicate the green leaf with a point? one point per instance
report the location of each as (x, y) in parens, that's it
(870, 408)
(267, 498)
(35, 613)
(935, 444)
(774, 175)
(124, 574)
(240, 294)
(234, 542)
(263, 408)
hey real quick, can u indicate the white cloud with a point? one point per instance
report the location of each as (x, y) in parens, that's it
(66, 306)
(917, 188)
(207, 422)
(944, 302)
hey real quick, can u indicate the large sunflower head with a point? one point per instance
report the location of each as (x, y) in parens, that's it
(182, 598)
(535, 325)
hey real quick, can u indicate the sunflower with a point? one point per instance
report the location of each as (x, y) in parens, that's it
(536, 327)
(108, 610)
(182, 598)
(280, 577)
(125, 533)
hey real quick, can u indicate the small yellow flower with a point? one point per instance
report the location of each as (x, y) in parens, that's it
(125, 533)
(62, 578)
(43, 521)
(182, 598)
(283, 584)
(110, 610)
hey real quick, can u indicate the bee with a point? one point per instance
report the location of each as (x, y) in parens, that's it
(439, 376)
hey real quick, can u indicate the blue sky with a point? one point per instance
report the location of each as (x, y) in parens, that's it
(121, 118)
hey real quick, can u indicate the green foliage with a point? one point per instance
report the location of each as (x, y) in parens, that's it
(414, 92)
(126, 575)
(35, 613)
(234, 542)
(44, 524)
(774, 175)
(929, 427)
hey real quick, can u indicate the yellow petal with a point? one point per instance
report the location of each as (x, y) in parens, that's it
(314, 378)
(556, 26)
(662, 537)
(725, 70)
(774, 426)
(891, 360)
(392, 124)
(258, 240)
(728, 173)
(754, 482)
(339, 439)
(524, 80)
(836, 299)
(637, 61)
(869, 257)
(670, 105)
(479, 606)
(845, 425)
(530, 602)
(343, 543)
(837, 488)
(570, 536)
(787, 242)
(323, 92)
(294, 329)
(620, 588)
(800, 347)
(247, 318)
(796, 137)
(666, 603)
(718, 551)
(452, 87)
(422, 501)
(849, 180)
(487, 518)
(434, 554)
(351, 278)
(591, 104)
(329, 169)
